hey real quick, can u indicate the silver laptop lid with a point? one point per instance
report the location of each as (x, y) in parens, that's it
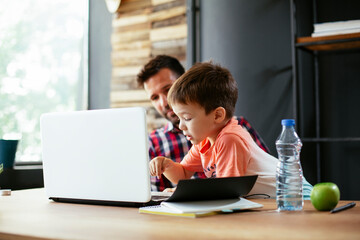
(96, 155)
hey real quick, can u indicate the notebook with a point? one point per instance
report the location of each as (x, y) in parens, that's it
(201, 208)
(97, 157)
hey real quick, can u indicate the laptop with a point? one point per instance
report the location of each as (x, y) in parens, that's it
(97, 157)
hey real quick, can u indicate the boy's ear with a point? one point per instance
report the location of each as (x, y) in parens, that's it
(220, 114)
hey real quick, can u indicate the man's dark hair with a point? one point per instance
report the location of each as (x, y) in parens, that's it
(156, 64)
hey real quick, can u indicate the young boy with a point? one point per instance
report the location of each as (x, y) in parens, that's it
(204, 99)
(157, 76)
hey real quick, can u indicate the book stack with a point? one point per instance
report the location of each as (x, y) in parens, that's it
(205, 197)
(195, 209)
(336, 28)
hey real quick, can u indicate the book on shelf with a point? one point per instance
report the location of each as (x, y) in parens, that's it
(203, 197)
(337, 32)
(336, 28)
(200, 208)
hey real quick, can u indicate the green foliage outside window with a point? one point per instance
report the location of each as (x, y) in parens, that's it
(42, 56)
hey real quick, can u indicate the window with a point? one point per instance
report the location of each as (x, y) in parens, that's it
(43, 66)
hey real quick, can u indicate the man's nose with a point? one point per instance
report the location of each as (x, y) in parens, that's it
(163, 101)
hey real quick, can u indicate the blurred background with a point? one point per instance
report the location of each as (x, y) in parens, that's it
(64, 55)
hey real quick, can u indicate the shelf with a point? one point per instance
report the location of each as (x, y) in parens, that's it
(328, 43)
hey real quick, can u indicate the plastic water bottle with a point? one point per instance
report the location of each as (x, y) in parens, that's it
(289, 176)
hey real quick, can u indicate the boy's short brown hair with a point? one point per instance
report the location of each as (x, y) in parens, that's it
(208, 85)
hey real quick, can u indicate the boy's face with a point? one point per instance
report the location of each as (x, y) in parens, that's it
(194, 123)
(157, 87)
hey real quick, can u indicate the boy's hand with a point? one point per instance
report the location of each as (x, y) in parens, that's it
(170, 189)
(159, 165)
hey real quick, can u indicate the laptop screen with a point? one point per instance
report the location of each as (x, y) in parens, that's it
(96, 155)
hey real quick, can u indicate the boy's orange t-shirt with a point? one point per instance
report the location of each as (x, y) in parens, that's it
(228, 157)
(234, 153)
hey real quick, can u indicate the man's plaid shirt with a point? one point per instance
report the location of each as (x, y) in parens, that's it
(171, 143)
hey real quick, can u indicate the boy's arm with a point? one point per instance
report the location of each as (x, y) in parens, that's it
(172, 170)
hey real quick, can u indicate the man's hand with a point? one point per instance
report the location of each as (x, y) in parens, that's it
(159, 165)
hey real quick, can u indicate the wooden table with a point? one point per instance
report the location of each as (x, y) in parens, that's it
(28, 214)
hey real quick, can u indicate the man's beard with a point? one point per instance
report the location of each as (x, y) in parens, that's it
(173, 118)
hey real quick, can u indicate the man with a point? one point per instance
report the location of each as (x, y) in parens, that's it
(157, 77)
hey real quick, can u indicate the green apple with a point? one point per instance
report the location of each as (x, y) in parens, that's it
(325, 196)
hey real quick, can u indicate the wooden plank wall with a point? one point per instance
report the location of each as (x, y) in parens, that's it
(143, 29)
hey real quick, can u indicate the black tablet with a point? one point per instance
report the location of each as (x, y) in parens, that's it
(212, 188)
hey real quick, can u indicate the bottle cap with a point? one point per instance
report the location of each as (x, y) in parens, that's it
(288, 122)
